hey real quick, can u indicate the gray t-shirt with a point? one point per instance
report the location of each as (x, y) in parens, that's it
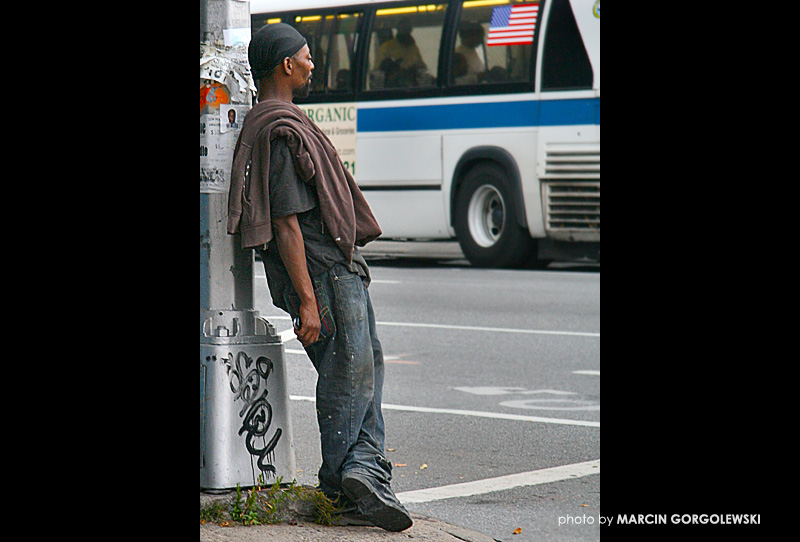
(289, 195)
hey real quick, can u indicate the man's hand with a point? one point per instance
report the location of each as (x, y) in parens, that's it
(309, 319)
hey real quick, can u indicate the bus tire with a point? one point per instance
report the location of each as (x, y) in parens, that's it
(485, 220)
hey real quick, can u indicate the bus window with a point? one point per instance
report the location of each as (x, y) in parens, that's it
(494, 42)
(316, 29)
(565, 63)
(331, 40)
(340, 59)
(404, 47)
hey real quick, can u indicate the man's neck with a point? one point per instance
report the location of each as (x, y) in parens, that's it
(274, 92)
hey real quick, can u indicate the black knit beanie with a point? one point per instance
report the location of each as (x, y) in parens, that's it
(270, 45)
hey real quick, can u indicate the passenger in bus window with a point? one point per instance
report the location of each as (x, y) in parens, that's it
(383, 35)
(471, 37)
(304, 213)
(402, 49)
(459, 70)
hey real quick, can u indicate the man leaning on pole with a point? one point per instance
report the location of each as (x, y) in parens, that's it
(292, 199)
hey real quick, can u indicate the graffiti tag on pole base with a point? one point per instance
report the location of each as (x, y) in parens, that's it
(256, 412)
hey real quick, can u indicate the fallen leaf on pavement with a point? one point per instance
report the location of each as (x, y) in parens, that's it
(424, 466)
(518, 530)
(399, 464)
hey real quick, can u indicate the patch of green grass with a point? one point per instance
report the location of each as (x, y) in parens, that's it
(271, 505)
(213, 512)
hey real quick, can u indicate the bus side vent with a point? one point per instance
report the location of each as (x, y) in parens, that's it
(571, 191)
(571, 161)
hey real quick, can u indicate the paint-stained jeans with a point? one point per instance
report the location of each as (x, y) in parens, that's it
(350, 384)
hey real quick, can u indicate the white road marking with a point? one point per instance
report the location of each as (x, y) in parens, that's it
(464, 328)
(492, 329)
(597, 373)
(552, 404)
(475, 413)
(502, 483)
(494, 390)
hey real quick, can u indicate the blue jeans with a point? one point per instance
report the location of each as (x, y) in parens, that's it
(350, 371)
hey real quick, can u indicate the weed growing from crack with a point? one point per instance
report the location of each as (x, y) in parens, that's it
(270, 505)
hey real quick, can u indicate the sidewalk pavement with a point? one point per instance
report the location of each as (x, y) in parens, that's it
(424, 530)
(298, 527)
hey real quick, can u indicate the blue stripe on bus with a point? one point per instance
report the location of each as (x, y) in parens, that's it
(480, 115)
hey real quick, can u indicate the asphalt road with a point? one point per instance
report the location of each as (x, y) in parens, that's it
(490, 373)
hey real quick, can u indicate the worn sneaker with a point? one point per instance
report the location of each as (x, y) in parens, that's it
(347, 513)
(352, 518)
(378, 504)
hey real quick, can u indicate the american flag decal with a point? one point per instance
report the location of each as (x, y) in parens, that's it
(513, 25)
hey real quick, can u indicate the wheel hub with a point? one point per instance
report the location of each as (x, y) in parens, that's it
(486, 216)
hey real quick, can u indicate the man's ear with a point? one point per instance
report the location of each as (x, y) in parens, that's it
(287, 65)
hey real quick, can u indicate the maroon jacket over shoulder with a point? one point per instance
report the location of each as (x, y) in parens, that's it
(344, 210)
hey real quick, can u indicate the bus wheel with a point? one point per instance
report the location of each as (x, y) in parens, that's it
(486, 223)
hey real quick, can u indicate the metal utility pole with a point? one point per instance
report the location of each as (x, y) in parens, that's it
(245, 424)
(216, 16)
(226, 274)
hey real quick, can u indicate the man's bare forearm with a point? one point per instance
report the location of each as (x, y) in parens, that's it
(289, 239)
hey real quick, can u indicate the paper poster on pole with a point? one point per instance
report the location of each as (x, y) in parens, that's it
(226, 87)
(214, 155)
(218, 132)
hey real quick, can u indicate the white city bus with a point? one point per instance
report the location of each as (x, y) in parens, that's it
(470, 119)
